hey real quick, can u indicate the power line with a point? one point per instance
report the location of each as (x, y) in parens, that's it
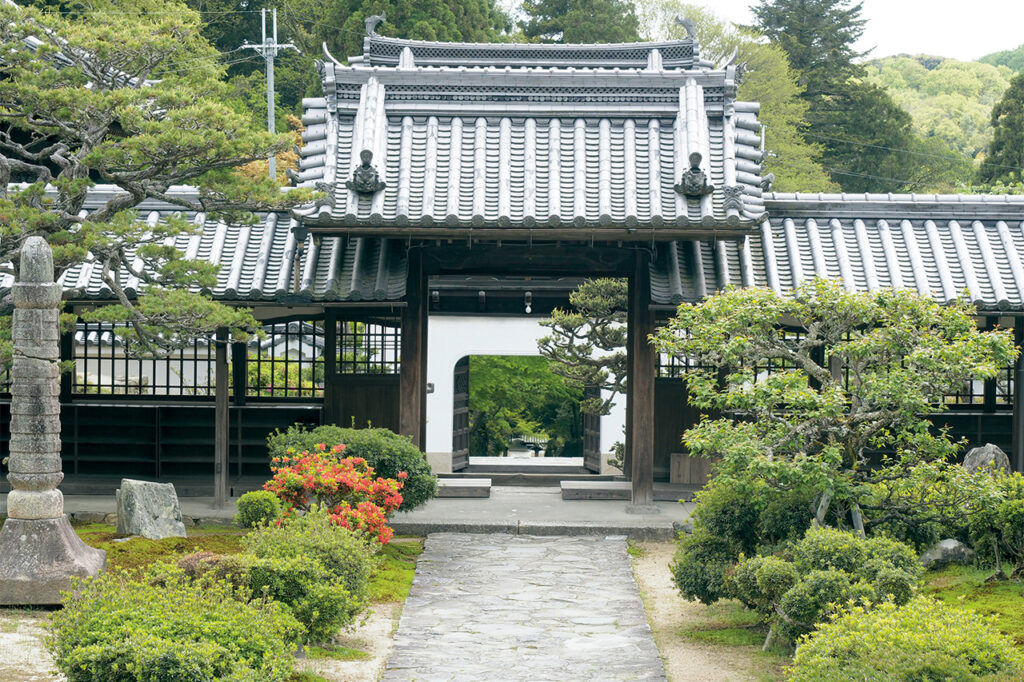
(947, 157)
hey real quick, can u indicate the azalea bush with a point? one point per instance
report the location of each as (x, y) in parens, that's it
(346, 488)
(386, 452)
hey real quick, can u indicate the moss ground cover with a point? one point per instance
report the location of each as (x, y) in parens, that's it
(393, 577)
(965, 586)
(139, 552)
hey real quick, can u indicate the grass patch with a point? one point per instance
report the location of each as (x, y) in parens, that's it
(337, 653)
(965, 586)
(635, 551)
(727, 623)
(393, 578)
(139, 553)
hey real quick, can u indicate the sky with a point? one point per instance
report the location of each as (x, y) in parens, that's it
(947, 28)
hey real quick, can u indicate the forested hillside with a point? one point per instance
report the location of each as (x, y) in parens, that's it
(948, 99)
(1011, 58)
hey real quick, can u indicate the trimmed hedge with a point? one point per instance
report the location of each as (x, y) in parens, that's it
(923, 640)
(385, 451)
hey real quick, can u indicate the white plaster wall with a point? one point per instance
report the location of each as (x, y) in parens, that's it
(452, 338)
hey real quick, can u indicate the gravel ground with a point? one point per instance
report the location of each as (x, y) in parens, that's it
(22, 655)
(668, 612)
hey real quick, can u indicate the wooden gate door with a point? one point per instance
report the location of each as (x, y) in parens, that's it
(592, 436)
(460, 417)
(361, 400)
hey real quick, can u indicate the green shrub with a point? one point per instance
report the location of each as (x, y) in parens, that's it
(202, 566)
(257, 508)
(385, 451)
(318, 599)
(923, 640)
(700, 566)
(313, 538)
(996, 525)
(829, 568)
(122, 628)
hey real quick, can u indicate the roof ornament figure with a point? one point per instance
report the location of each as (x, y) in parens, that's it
(690, 25)
(694, 183)
(373, 22)
(733, 198)
(328, 189)
(365, 179)
(731, 59)
(766, 182)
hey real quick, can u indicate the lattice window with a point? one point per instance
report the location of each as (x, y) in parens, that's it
(103, 368)
(369, 347)
(771, 366)
(1004, 387)
(288, 363)
(971, 393)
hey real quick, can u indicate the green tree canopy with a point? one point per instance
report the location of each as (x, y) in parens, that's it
(948, 99)
(513, 396)
(580, 21)
(767, 79)
(1004, 161)
(768, 362)
(1013, 59)
(131, 97)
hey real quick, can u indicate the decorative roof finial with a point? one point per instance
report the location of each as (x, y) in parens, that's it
(694, 183)
(733, 200)
(690, 25)
(373, 22)
(365, 179)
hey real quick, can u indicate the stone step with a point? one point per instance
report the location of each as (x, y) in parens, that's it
(622, 490)
(464, 487)
(532, 465)
(531, 480)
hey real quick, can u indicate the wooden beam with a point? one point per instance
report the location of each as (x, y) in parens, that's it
(327, 413)
(1018, 399)
(641, 386)
(221, 421)
(412, 393)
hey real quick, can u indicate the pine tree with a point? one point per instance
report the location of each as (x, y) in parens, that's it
(580, 21)
(1004, 160)
(869, 143)
(131, 97)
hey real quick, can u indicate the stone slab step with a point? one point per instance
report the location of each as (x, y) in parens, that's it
(622, 490)
(515, 478)
(464, 487)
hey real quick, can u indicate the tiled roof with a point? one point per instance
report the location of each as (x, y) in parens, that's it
(464, 143)
(258, 262)
(941, 246)
(382, 51)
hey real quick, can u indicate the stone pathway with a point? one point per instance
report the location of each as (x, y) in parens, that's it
(508, 607)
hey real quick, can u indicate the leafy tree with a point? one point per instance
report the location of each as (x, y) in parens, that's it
(1005, 159)
(767, 79)
(587, 345)
(514, 396)
(806, 422)
(1012, 58)
(132, 97)
(580, 21)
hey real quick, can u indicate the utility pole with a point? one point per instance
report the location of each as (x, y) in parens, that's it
(269, 50)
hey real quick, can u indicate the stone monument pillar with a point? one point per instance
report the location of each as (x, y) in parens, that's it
(39, 552)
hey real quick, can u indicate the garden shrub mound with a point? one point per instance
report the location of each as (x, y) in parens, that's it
(119, 628)
(385, 451)
(923, 640)
(257, 508)
(826, 569)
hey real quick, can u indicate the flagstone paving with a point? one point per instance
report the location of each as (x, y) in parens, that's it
(514, 607)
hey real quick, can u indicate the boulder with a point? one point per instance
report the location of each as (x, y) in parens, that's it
(148, 509)
(988, 457)
(945, 552)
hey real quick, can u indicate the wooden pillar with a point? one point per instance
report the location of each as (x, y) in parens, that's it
(412, 393)
(640, 325)
(239, 372)
(221, 423)
(1018, 398)
(67, 354)
(330, 365)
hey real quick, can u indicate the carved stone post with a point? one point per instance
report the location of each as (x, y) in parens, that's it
(39, 552)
